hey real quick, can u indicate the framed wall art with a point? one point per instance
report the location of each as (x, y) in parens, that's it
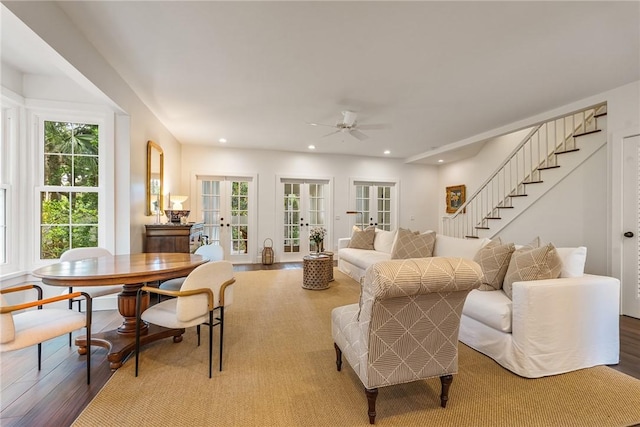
(455, 197)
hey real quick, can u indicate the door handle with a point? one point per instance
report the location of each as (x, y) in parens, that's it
(628, 234)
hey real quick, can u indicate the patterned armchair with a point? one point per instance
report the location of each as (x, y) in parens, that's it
(405, 327)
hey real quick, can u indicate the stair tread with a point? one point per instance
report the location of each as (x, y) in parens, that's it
(504, 207)
(586, 133)
(482, 228)
(548, 167)
(471, 237)
(534, 182)
(600, 114)
(517, 195)
(567, 151)
(492, 217)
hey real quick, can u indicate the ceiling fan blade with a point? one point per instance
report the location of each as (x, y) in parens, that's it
(331, 133)
(358, 135)
(376, 126)
(319, 124)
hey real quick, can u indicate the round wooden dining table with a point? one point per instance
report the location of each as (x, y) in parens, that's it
(132, 272)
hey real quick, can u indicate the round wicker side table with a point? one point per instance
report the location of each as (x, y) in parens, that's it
(315, 273)
(330, 264)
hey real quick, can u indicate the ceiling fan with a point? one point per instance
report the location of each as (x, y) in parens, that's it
(350, 125)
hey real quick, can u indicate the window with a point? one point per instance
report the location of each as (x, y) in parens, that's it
(69, 196)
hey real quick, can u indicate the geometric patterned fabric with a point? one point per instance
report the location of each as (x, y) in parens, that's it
(407, 327)
(494, 259)
(362, 239)
(413, 245)
(528, 263)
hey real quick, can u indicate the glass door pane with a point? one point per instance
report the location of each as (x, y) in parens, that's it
(291, 218)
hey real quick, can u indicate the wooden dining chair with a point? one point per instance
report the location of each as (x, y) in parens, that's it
(23, 328)
(206, 289)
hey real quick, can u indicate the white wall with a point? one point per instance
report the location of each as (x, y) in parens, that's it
(418, 183)
(580, 209)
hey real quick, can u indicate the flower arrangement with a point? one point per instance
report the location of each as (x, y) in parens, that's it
(317, 234)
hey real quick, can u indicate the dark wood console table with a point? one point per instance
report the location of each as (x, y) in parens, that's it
(173, 237)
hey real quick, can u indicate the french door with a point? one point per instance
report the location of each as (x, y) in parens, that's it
(226, 205)
(631, 227)
(304, 204)
(375, 204)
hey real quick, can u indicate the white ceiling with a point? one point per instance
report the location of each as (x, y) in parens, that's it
(438, 72)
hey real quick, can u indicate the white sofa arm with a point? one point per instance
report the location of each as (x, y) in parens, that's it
(343, 242)
(567, 318)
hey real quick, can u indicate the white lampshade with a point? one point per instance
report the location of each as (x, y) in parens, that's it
(177, 201)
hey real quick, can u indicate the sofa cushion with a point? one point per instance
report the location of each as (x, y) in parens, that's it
(448, 246)
(494, 259)
(361, 258)
(573, 260)
(529, 263)
(383, 241)
(493, 308)
(362, 239)
(410, 245)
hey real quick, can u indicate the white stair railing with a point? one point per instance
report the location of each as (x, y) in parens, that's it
(538, 151)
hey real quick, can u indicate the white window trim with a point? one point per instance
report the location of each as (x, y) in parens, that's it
(11, 154)
(68, 112)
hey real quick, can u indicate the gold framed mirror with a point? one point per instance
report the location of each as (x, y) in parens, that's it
(155, 178)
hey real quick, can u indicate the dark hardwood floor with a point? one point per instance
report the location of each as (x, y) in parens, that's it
(57, 394)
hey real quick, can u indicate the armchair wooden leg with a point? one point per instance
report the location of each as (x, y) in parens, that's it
(446, 383)
(338, 357)
(372, 394)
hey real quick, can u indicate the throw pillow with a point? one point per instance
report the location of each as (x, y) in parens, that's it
(383, 241)
(529, 263)
(362, 239)
(573, 260)
(410, 245)
(494, 260)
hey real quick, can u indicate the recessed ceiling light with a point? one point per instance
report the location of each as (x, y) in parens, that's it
(440, 161)
(222, 140)
(312, 147)
(387, 152)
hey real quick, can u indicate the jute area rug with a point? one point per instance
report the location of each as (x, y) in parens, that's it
(279, 370)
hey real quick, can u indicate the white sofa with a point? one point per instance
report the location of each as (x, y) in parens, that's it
(548, 327)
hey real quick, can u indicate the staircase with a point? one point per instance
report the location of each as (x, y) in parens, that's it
(548, 153)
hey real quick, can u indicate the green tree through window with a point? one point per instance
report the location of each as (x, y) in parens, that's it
(69, 201)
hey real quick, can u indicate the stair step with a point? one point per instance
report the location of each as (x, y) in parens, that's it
(492, 217)
(504, 207)
(567, 151)
(548, 167)
(587, 133)
(600, 114)
(517, 195)
(471, 237)
(534, 182)
(482, 228)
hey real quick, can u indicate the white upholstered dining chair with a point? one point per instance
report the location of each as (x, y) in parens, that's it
(206, 289)
(211, 252)
(22, 328)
